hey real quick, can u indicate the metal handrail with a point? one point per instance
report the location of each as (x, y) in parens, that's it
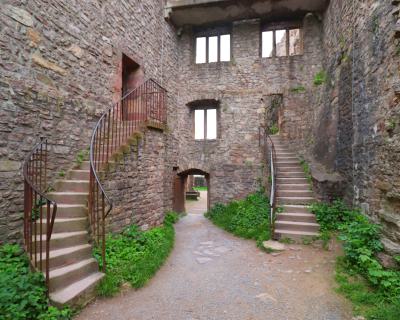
(113, 130)
(35, 186)
(271, 156)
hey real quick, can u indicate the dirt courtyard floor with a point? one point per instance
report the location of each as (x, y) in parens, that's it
(212, 275)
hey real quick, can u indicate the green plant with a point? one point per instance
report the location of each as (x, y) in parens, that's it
(61, 174)
(298, 89)
(273, 129)
(361, 243)
(200, 188)
(286, 240)
(81, 156)
(134, 256)
(247, 218)
(307, 170)
(22, 292)
(320, 78)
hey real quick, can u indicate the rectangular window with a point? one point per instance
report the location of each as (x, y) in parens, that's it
(225, 47)
(267, 44)
(281, 43)
(295, 45)
(205, 124)
(201, 50)
(213, 48)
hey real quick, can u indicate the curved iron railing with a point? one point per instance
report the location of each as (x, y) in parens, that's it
(39, 210)
(118, 125)
(270, 156)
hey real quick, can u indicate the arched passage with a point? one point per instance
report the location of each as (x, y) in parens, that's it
(180, 187)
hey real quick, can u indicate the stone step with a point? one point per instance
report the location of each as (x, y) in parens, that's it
(61, 240)
(78, 292)
(72, 185)
(287, 158)
(67, 224)
(68, 210)
(295, 200)
(293, 174)
(294, 193)
(64, 276)
(69, 197)
(65, 256)
(289, 168)
(296, 217)
(85, 165)
(297, 226)
(289, 180)
(287, 163)
(293, 208)
(78, 174)
(293, 186)
(294, 235)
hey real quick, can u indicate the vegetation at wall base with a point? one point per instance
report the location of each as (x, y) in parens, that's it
(22, 292)
(373, 289)
(247, 218)
(200, 188)
(134, 256)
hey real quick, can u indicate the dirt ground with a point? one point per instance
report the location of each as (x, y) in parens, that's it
(212, 275)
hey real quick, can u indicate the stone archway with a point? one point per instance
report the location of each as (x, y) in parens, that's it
(179, 186)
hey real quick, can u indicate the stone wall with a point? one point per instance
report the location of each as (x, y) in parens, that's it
(136, 184)
(60, 68)
(241, 87)
(357, 131)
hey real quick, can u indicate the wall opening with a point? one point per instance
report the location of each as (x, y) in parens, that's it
(192, 192)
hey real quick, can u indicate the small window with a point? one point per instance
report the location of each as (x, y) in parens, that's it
(225, 47)
(201, 50)
(281, 43)
(213, 48)
(267, 44)
(205, 124)
(295, 45)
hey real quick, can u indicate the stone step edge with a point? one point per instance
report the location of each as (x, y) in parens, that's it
(67, 294)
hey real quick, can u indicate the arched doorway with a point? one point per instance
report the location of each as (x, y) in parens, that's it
(186, 184)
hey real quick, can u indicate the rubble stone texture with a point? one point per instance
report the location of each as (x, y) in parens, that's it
(61, 68)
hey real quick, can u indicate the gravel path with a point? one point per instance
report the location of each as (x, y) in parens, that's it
(212, 275)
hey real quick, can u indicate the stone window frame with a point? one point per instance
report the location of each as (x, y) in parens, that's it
(206, 104)
(287, 26)
(214, 31)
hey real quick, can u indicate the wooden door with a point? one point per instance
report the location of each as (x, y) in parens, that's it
(179, 194)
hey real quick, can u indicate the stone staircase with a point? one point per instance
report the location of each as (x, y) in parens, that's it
(74, 272)
(293, 194)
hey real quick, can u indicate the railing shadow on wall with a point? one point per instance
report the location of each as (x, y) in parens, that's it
(117, 128)
(269, 156)
(39, 210)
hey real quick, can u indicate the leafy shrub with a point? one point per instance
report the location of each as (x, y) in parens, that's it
(274, 129)
(361, 243)
(134, 256)
(22, 292)
(320, 78)
(247, 218)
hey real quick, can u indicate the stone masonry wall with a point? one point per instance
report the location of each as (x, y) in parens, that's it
(233, 159)
(359, 110)
(60, 68)
(136, 184)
